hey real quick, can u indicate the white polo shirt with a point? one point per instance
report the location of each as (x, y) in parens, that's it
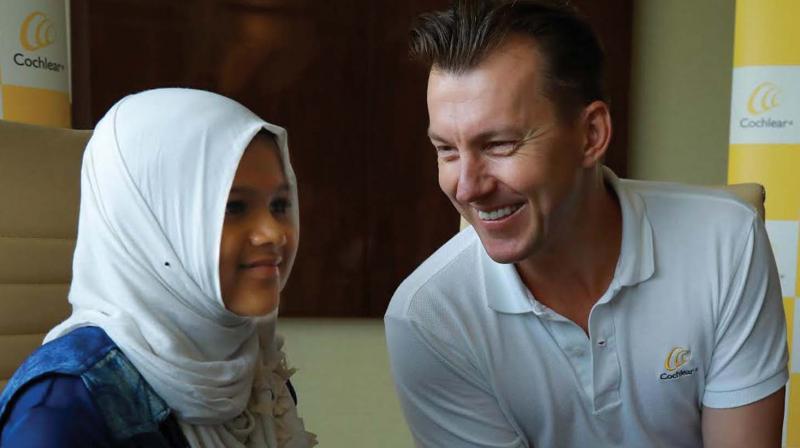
(693, 317)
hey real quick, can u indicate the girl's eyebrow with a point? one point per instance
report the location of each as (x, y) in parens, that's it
(282, 188)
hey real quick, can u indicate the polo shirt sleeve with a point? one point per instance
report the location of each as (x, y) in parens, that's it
(750, 357)
(55, 411)
(445, 401)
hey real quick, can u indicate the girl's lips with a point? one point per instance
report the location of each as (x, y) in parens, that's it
(263, 268)
(262, 271)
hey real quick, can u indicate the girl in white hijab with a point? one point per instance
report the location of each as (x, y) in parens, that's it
(187, 233)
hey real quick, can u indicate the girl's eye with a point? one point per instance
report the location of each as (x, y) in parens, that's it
(235, 207)
(279, 206)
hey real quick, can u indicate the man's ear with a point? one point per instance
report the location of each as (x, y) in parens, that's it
(596, 122)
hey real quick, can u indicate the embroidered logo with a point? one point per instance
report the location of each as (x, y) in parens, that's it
(676, 359)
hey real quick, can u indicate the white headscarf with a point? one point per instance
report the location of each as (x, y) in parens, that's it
(154, 185)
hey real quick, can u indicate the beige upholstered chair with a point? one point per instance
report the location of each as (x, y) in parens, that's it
(753, 194)
(39, 194)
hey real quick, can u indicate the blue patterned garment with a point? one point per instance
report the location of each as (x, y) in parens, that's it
(80, 391)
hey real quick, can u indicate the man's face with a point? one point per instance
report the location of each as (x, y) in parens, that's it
(507, 162)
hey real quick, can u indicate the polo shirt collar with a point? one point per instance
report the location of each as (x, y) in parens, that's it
(504, 290)
(636, 262)
(506, 293)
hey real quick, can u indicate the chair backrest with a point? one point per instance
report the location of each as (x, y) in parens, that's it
(752, 193)
(39, 197)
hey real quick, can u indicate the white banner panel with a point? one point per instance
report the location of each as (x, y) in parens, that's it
(33, 44)
(765, 105)
(34, 63)
(783, 236)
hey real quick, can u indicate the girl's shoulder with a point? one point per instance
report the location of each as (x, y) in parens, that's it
(72, 355)
(54, 410)
(83, 375)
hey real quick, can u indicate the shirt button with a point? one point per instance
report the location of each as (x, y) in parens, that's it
(601, 342)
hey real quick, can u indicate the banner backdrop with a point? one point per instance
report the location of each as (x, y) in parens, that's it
(34, 62)
(765, 148)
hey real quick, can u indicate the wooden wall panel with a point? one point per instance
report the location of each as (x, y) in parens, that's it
(337, 76)
(613, 22)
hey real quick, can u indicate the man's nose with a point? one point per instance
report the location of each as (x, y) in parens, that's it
(473, 179)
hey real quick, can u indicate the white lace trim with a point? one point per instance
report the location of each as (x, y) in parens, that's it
(271, 397)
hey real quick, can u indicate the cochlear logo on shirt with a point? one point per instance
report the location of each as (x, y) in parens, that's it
(36, 32)
(675, 364)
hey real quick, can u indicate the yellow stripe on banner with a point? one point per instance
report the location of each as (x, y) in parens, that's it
(766, 33)
(788, 308)
(775, 167)
(36, 106)
(793, 411)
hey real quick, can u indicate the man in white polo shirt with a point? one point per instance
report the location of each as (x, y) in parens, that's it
(579, 309)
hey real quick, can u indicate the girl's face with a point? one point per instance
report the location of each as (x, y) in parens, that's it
(259, 235)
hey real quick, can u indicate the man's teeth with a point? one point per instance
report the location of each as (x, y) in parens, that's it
(497, 214)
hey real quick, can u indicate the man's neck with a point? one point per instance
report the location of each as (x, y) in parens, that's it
(573, 271)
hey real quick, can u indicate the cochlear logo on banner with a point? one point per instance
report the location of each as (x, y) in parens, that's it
(765, 97)
(37, 32)
(674, 364)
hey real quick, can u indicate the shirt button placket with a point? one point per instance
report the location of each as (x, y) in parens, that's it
(605, 361)
(572, 341)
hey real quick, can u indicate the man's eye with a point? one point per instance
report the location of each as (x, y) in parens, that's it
(280, 206)
(446, 152)
(233, 208)
(503, 146)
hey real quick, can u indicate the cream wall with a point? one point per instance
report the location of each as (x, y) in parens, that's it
(680, 90)
(345, 390)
